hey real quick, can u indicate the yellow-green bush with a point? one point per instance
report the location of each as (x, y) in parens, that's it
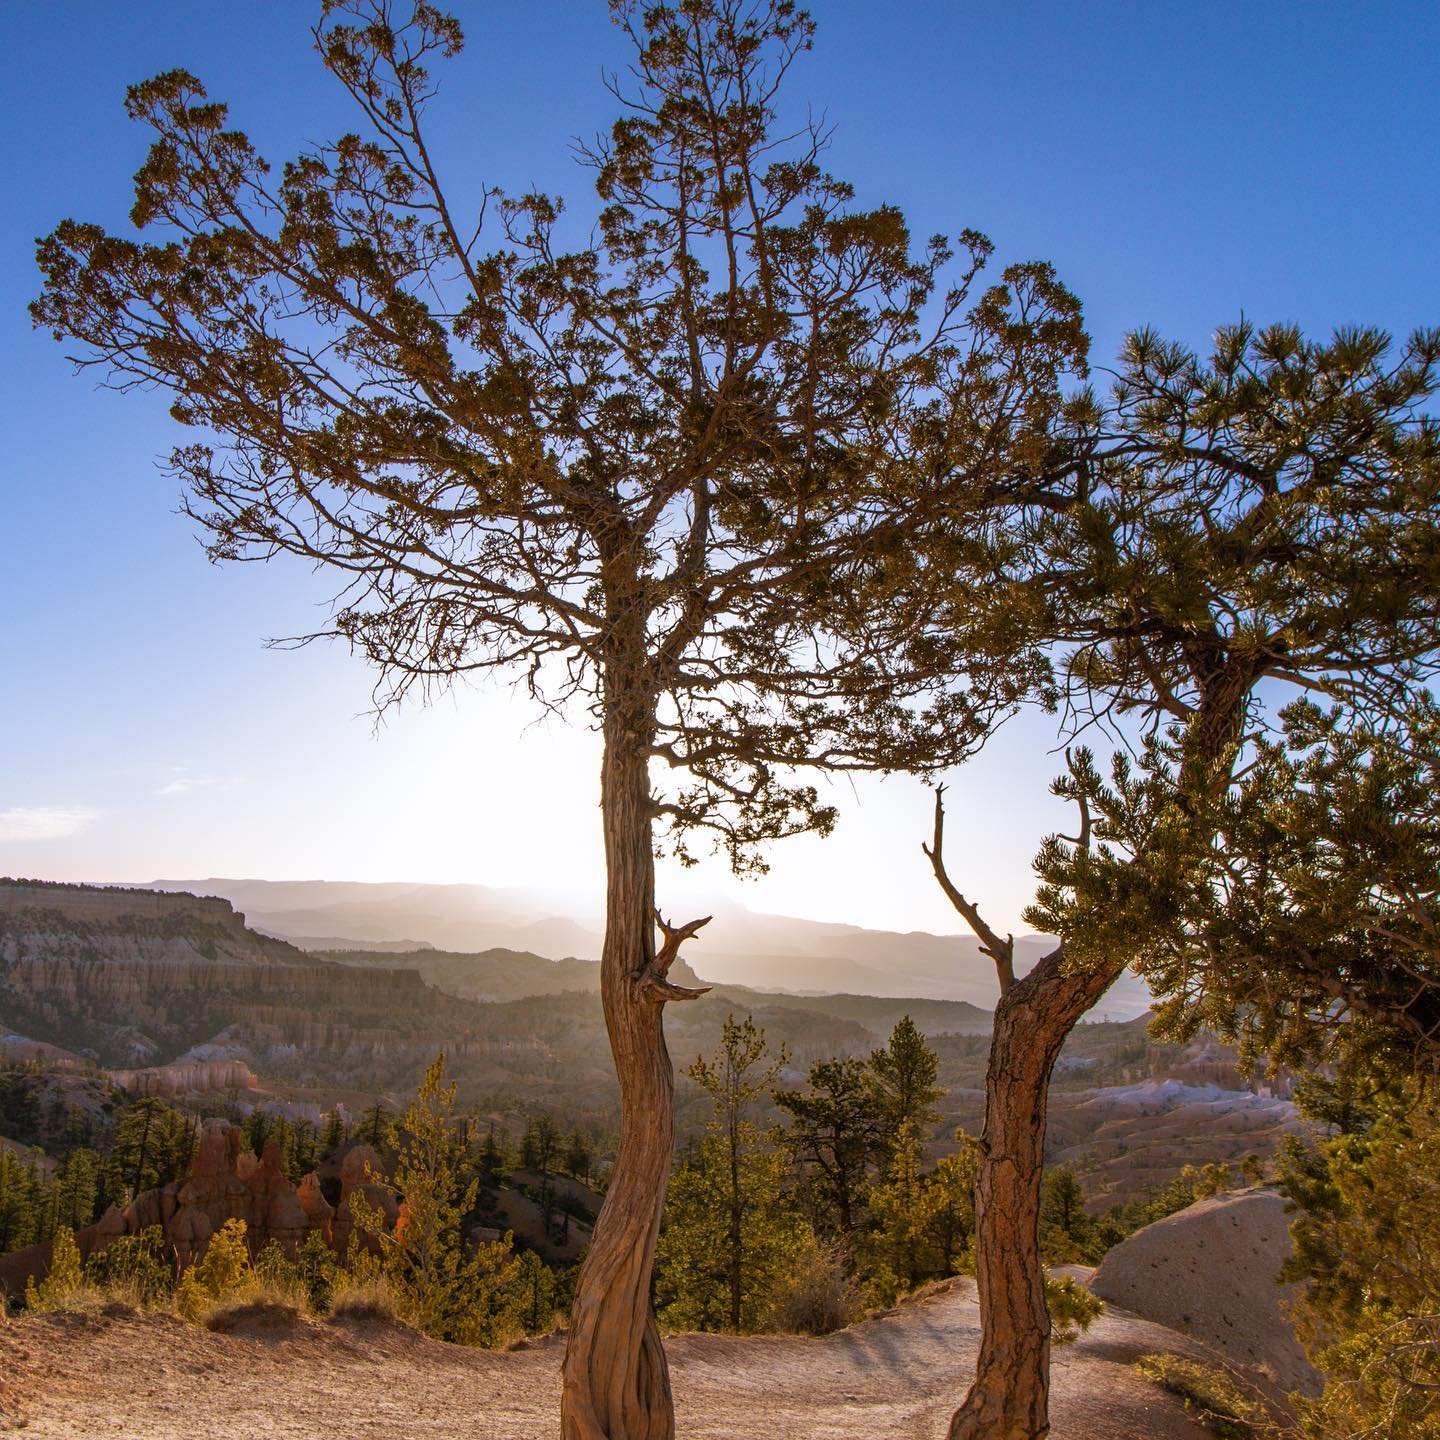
(64, 1286)
(1212, 1395)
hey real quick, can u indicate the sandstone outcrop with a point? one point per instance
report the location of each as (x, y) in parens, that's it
(357, 1170)
(1212, 1271)
(192, 1077)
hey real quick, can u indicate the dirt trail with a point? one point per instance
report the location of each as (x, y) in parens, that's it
(130, 1377)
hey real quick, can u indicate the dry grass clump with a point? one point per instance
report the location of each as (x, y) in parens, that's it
(817, 1295)
(364, 1298)
(260, 1313)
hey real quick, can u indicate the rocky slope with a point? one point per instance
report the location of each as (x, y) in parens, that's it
(161, 986)
(177, 993)
(135, 979)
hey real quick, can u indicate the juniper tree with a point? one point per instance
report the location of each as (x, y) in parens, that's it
(635, 469)
(1218, 531)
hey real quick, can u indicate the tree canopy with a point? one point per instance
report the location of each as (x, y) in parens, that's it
(519, 453)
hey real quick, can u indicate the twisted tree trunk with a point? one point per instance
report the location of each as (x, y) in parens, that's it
(1010, 1396)
(615, 1382)
(616, 1385)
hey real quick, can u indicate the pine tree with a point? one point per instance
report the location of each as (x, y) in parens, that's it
(729, 1225)
(448, 1289)
(905, 1206)
(578, 1157)
(906, 1071)
(494, 1158)
(1221, 527)
(1064, 1226)
(836, 1130)
(22, 1204)
(333, 1135)
(374, 1125)
(257, 1128)
(1367, 1247)
(74, 1192)
(953, 1219)
(536, 1286)
(64, 1282)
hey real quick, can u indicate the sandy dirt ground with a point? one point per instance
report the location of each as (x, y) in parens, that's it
(122, 1376)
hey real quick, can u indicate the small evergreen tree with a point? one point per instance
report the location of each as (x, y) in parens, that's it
(319, 1270)
(135, 1268)
(952, 1222)
(374, 1125)
(1065, 1228)
(74, 1192)
(536, 1286)
(906, 1071)
(224, 1273)
(22, 1202)
(64, 1282)
(904, 1205)
(494, 1158)
(1367, 1246)
(332, 1137)
(451, 1291)
(729, 1228)
(836, 1131)
(578, 1157)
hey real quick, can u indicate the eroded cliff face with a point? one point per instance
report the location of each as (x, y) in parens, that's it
(139, 978)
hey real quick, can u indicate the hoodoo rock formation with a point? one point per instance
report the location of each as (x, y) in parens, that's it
(226, 1182)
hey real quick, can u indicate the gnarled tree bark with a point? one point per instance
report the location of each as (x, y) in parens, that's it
(1010, 1396)
(616, 1384)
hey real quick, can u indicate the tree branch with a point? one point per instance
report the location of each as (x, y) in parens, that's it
(1002, 952)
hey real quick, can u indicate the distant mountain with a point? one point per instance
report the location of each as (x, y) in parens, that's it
(144, 978)
(505, 975)
(762, 952)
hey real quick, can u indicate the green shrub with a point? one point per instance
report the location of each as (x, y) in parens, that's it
(1073, 1309)
(319, 1270)
(816, 1295)
(223, 1275)
(1211, 1394)
(134, 1269)
(64, 1286)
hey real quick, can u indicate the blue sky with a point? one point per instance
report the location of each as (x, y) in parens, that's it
(1180, 164)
